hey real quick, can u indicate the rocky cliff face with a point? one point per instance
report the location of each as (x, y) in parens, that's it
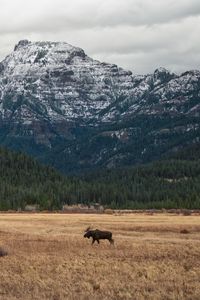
(57, 81)
(57, 101)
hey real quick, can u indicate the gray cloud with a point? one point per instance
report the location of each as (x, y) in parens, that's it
(137, 34)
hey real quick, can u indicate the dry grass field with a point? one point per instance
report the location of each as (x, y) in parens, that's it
(48, 258)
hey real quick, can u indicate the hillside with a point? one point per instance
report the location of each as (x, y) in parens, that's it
(169, 183)
(24, 181)
(78, 114)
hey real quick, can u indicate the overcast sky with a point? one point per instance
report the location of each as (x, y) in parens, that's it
(139, 35)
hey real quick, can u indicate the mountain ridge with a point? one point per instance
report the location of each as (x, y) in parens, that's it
(57, 101)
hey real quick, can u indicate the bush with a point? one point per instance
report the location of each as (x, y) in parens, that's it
(184, 231)
(3, 252)
(109, 211)
(186, 212)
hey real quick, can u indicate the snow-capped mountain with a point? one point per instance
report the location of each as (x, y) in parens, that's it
(54, 99)
(60, 80)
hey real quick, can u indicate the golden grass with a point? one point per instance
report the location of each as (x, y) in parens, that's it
(48, 258)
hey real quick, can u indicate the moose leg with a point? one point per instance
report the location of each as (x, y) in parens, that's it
(94, 241)
(111, 241)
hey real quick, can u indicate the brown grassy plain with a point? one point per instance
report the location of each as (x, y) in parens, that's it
(48, 258)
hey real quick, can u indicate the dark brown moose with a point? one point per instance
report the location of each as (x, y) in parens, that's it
(97, 235)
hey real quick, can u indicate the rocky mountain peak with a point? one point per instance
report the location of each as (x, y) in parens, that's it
(21, 43)
(43, 53)
(61, 80)
(162, 75)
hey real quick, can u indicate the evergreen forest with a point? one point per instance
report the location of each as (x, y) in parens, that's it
(172, 182)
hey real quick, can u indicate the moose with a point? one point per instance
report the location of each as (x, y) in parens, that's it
(97, 235)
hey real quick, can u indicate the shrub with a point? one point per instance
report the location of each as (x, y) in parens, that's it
(108, 211)
(186, 212)
(3, 252)
(184, 231)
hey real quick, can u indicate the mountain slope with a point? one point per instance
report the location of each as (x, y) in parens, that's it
(58, 82)
(75, 113)
(24, 181)
(170, 183)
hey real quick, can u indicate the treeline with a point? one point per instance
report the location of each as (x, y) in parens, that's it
(24, 181)
(170, 183)
(164, 184)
